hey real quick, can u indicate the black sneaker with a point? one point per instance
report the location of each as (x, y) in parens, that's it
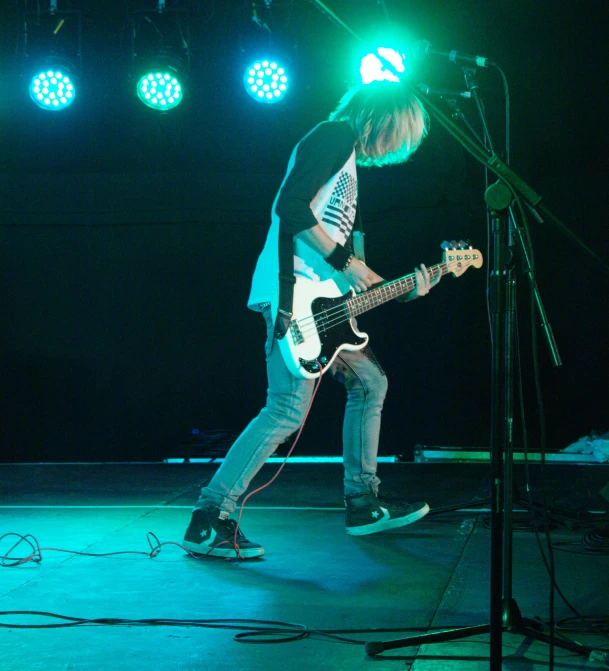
(211, 533)
(364, 515)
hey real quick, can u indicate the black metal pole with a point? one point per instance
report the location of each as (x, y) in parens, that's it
(508, 440)
(497, 300)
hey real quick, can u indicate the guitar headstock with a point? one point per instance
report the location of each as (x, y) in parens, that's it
(459, 256)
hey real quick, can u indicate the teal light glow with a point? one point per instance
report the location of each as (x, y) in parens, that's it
(380, 66)
(278, 460)
(160, 90)
(266, 81)
(52, 89)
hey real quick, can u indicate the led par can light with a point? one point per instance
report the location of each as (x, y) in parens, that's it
(160, 83)
(53, 84)
(266, 80)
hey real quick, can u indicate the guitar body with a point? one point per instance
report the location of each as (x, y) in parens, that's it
(320, 328)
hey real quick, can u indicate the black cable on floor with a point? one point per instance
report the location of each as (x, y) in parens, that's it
(264, 632)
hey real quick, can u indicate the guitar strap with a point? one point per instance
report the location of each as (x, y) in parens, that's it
(358, 238)
(286, 282)
(286, 272)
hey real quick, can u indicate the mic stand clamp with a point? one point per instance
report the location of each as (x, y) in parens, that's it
(457, 114)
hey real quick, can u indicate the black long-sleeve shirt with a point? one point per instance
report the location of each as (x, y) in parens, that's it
(320, 187)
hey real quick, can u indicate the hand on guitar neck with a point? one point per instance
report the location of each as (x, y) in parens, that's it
(424, 282)
(361, 278)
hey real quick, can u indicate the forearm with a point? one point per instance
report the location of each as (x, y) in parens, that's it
(356, 273)
(317, 239)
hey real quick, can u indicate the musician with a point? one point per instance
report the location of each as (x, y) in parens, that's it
(375, 124)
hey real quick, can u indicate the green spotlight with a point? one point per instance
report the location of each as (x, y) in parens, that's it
(52, 86)
(160, 80)
(385, 64)
(266, 81)
(160, 89)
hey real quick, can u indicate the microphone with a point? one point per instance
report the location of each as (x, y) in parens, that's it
(422, 49)
(444, 93)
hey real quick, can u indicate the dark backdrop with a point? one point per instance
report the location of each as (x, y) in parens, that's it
(128, 239)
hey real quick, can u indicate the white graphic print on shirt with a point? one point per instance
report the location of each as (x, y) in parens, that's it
(334, 207)
(340, 210)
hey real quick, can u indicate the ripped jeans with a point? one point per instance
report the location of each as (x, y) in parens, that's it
(287, 402)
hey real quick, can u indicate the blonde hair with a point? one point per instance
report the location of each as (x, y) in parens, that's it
(389, 122)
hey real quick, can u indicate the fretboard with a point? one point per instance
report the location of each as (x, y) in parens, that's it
(388, 291)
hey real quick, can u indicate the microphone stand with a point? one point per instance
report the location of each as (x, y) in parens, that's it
(505, 614)
(507, 238)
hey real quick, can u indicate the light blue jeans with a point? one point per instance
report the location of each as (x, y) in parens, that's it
(287, 401)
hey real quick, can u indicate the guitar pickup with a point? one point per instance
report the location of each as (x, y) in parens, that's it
(297, 336)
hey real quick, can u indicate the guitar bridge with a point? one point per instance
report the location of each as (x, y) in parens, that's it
(297, 336)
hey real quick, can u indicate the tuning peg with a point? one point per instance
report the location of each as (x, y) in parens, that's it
(453, 245)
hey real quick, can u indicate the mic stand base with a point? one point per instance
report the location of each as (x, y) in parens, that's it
(513, 623)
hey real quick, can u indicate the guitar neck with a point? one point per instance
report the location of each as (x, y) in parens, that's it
(388, 291)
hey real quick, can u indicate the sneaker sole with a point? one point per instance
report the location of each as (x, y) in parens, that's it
(227, 552)
(385, 524)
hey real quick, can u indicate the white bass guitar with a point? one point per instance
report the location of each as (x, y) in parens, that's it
(321, 324)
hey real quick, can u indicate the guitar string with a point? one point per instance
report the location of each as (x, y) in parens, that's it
(343, 308)
(336, 315)
(331, 317)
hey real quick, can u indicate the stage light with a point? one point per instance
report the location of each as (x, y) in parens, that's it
(49, 48)
(161, 88)
(160, 54)
(266, 80)
(53, 85)
(383, 64)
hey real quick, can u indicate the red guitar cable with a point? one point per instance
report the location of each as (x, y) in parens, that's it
(285, 461)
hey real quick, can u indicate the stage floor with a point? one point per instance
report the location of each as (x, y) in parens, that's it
(432, 574)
